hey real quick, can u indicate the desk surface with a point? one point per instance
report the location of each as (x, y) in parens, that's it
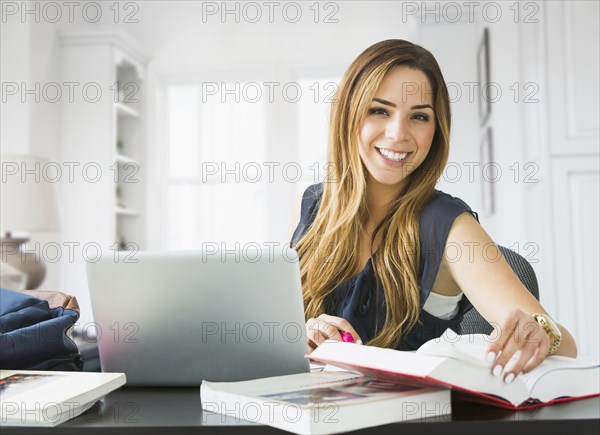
(177, 410)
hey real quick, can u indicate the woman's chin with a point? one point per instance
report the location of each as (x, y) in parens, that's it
(387, 180)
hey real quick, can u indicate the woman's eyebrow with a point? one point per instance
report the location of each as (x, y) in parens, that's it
(389, 103)
(422, 106)
(384, 102)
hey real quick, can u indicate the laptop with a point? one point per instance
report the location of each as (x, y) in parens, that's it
(177, 318)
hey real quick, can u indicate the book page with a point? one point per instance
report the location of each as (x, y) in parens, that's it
(280, 384)
(551, 364)
(382, 359)
(470, 348)
(341, 393)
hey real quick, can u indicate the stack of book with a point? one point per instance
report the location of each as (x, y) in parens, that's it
(382, 386)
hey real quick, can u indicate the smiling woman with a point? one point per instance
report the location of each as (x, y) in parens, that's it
(372, 239)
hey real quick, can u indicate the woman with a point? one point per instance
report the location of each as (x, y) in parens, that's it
(374, 238)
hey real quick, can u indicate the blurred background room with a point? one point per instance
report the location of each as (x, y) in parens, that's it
(170, 125)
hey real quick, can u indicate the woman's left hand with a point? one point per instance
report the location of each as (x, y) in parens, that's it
(518, 332)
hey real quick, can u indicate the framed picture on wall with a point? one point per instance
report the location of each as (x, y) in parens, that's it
(489, 173)
(483, 78)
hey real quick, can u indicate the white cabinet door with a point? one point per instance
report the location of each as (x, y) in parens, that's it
(576, 189)
(572, 59)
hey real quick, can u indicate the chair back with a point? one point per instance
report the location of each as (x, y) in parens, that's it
(473, 322)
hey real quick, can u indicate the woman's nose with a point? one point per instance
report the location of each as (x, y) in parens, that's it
(396, 129)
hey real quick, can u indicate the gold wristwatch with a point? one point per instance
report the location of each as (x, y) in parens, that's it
(551, 329)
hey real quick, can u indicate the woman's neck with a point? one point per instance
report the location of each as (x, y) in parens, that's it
(379, 198)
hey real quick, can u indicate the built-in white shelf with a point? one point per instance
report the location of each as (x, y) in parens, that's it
(127, 111)
(114, 137)
(122, 159)
(121, 211)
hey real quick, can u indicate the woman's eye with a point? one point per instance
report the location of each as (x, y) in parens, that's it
(377, 111)
(421, 117)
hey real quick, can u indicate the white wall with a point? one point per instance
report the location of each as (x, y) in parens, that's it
(507, 225)
(180, 36)
(30, 127)
(459, 69)
(455, 45)
(15, 67)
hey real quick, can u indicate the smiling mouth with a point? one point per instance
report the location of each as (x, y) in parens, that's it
(392, 155)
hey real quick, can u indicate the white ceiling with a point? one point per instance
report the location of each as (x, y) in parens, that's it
(177, 33)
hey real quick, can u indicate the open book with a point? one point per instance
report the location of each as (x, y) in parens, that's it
(323, 402)
(458, 362)
(46, 398)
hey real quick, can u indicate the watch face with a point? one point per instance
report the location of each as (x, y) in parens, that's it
(552, 325)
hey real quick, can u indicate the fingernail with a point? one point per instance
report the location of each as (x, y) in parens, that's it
(497, 370)
(509, 378)
(491, 356)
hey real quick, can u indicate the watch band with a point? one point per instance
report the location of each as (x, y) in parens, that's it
(555, 336)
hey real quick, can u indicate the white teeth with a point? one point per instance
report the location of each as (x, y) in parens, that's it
(392, 155)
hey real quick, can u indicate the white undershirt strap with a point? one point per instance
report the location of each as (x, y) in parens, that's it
(444, 307)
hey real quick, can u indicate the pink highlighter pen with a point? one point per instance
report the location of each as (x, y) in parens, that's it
(347, 337)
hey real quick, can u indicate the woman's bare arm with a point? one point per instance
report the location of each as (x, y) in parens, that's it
(496, 292)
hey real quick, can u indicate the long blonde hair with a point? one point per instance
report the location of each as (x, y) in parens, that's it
(329, 249)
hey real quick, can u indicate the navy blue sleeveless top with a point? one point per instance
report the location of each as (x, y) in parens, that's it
(355, 299)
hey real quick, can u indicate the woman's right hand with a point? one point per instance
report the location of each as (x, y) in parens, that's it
(326, 327)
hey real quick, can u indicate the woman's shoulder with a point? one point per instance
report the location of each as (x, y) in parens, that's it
(308, 209)
(444, 206)
(311, 196)
(313, 192)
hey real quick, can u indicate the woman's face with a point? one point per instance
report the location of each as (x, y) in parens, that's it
(397, 132)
